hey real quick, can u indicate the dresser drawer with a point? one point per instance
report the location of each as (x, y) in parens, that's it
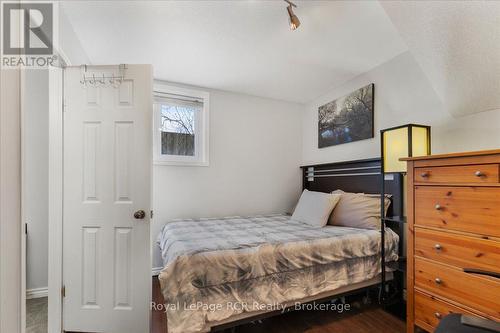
(458, 250)
(429, 310)
(478, 292)
(481, 173)
(469, 209)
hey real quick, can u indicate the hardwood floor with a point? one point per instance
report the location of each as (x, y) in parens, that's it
(158, 318)
(369, 320)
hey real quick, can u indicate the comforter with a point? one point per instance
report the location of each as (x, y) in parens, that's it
(218, 268)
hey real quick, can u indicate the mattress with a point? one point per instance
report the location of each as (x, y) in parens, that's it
(218, 268)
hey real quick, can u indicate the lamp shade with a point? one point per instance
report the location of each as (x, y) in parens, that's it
(404, 141)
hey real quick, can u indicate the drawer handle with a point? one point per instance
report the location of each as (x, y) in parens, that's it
(479, 174)
(438, 247)
(482, 272)
(438, 281)
(437, 315)
(438, 207)
(424, 174)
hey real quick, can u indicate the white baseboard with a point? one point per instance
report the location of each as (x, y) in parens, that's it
(37, 293)
(44, 292)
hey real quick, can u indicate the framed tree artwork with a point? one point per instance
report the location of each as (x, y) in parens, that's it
(347, 119)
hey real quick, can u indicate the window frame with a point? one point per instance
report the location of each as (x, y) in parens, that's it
(201, 157)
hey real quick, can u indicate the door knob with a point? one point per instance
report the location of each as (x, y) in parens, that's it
(140, 214)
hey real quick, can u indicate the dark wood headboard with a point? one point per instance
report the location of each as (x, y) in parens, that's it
(355, 176)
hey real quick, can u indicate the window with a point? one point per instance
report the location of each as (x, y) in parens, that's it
(177, 128)
(181, 126)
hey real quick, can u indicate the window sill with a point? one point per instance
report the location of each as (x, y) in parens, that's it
(181, 163)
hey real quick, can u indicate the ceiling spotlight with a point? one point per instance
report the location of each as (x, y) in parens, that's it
(294, 20)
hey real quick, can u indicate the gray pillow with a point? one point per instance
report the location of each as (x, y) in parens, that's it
(314, 208)
(357, 210)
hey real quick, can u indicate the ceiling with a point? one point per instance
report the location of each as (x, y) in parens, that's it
(457, 44)
(240, 46)
(247, 46)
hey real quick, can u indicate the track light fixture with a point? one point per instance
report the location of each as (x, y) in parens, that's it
(294, 20)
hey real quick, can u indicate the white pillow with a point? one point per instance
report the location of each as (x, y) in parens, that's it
(314, 208)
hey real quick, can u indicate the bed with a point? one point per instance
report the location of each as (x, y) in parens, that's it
(222, 271)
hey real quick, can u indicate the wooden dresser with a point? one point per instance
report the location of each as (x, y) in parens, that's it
(453, 209)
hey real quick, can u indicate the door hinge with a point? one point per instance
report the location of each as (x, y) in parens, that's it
(63, 291)
(151, 214)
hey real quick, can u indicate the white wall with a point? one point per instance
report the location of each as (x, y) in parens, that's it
(10, 202)
(255, 148)
(403, 94)
(69, 44)
(473, 132)
(35, 176)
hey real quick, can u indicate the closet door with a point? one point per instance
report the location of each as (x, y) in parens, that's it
(107, 186)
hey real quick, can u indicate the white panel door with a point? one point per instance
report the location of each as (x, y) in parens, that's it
(107, 170)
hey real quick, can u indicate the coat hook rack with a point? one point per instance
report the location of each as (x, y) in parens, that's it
(90, 79)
